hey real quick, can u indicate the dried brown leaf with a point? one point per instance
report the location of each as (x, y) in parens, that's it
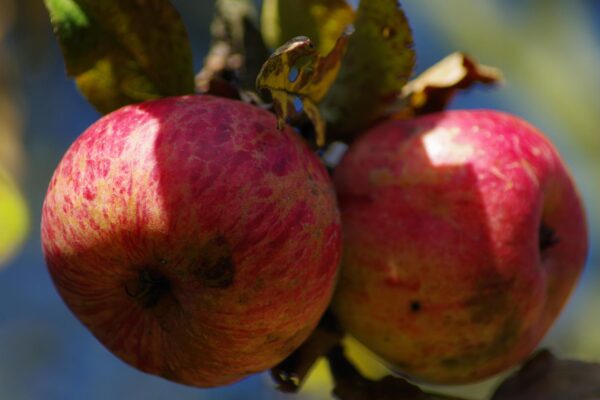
(433, 89)
(545, 377)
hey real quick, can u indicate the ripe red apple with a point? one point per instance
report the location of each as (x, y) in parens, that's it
(463, 237)
(194, 239)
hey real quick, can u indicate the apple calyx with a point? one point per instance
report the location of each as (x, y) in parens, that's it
(548, 237)
(149, 287)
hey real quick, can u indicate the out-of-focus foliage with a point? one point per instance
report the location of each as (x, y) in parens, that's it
(323, 21)
(378, 62)
(14, 218)
(237, 51)
(123, 52)
(11, 151)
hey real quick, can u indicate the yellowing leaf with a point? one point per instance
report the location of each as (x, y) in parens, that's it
(375, 67)
(323, 21)
(123, 51)
(433, 89)
(297, 70)
(14, 218)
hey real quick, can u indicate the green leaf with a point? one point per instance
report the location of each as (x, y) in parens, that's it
(377, 64)
(297, 69)
(323, 21)
(14, 218)
(123, 51)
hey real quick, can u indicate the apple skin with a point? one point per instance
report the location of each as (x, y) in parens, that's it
(194, 240)
(464, 235)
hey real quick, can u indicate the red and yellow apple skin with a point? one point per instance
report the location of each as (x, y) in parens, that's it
(194, 239)
(463, 238)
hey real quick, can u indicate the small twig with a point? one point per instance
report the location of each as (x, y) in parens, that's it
(291, 373)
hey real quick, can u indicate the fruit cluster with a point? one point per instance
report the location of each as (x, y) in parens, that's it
(199, 243)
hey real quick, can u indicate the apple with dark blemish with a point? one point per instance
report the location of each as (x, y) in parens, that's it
(464, 235)
(193, 239)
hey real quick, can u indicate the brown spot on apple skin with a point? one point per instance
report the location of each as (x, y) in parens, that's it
(218, 274)
(271, 338)
(490, 306)
(491, 298)
(501, 343)
(216, 268)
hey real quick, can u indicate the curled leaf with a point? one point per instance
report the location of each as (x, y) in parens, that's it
(237, 51)
(14, 217)
(545, 377)
(297, 69)
(375, 67)
(123, 51)
(323, 21)
(433, 89)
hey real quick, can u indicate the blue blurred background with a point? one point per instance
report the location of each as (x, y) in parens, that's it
(549, 51)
